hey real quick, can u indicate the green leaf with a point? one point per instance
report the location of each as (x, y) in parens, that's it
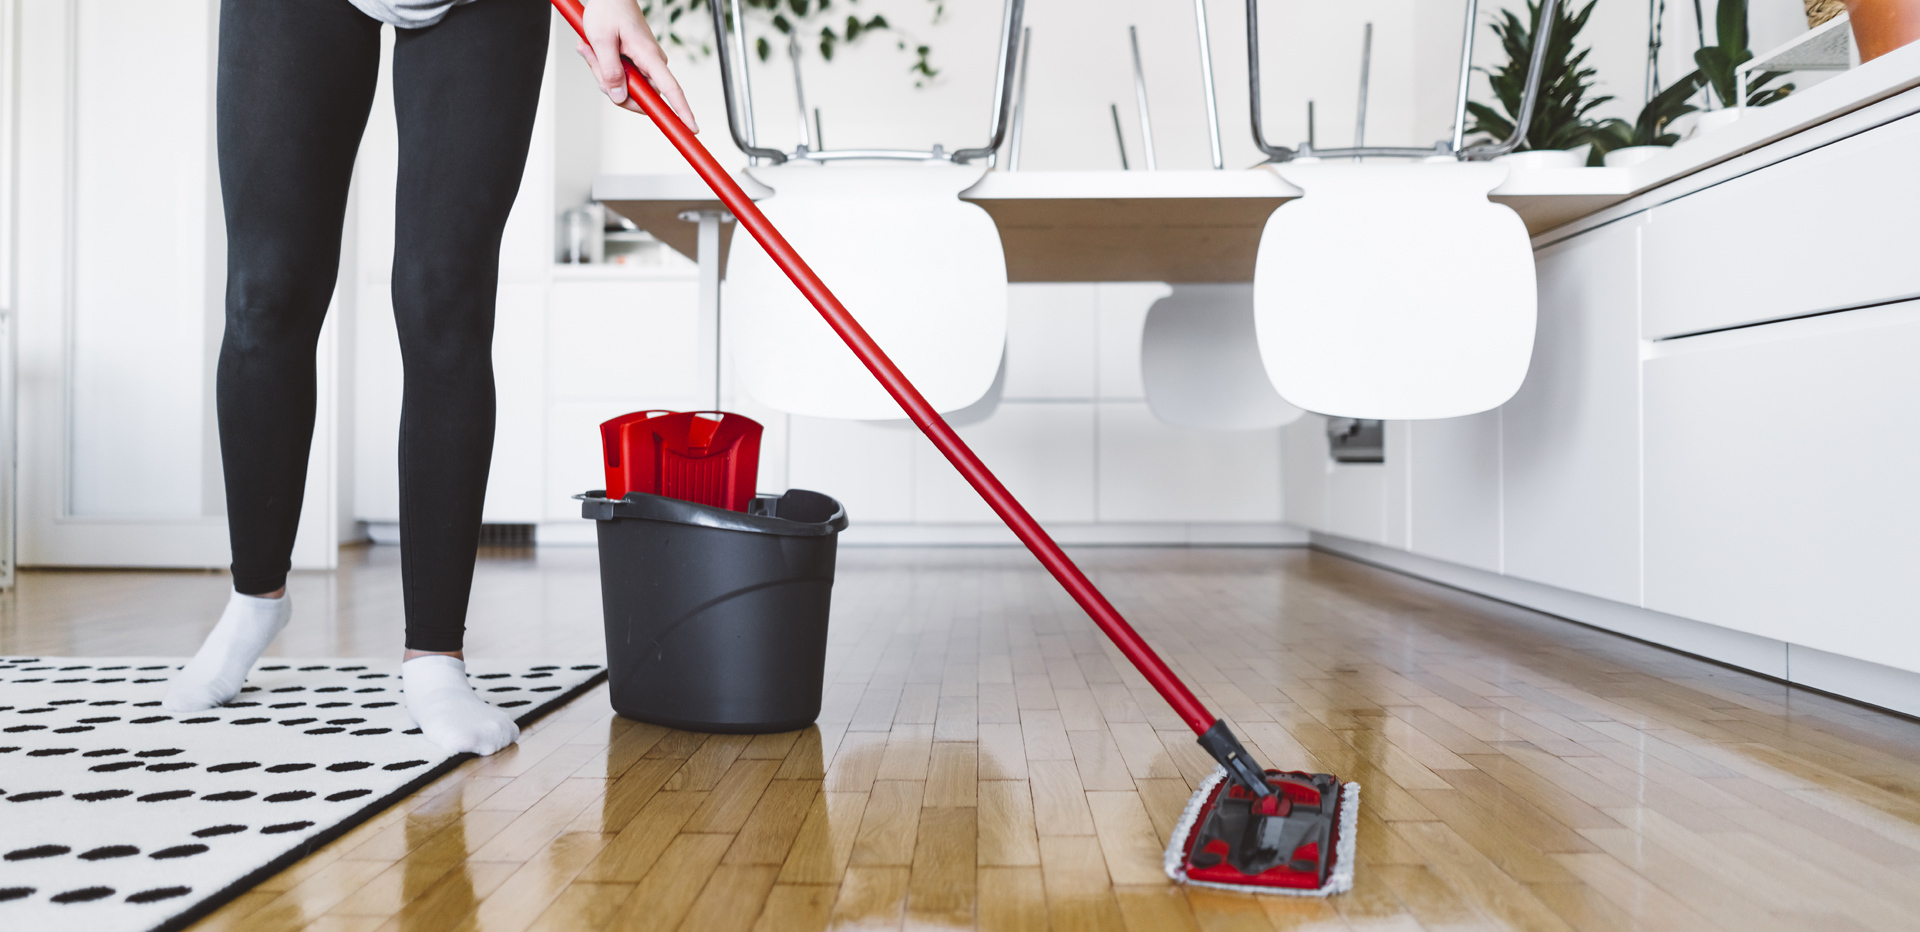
(1606, 136)
(1485, 120)
(1562, 112)
(1717, 66)
(1664, 108)
(1730, 25)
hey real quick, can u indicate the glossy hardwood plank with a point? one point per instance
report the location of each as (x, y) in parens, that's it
(984, 759)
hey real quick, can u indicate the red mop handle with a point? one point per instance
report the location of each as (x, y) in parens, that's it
(918, 410)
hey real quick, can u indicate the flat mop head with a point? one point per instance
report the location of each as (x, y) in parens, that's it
(1297, 841)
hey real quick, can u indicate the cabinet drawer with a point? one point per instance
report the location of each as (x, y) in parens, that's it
(1780, 492)
(1833, 228)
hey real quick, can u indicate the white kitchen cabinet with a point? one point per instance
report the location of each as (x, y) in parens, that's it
(1570, 454)
(1780, 470)
(1052, 342)
(613, 344)
(626, 338)
(1303, 473)
(1042, 451)
(517, 477)
(868, 466)
(1829, 229)
(1123, 316)
(1453, 493)
(1150, 471)
(1356, 503)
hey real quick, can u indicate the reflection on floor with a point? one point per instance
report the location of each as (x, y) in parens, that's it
(986, 760)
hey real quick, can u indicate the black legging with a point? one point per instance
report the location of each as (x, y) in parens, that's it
(296, 82)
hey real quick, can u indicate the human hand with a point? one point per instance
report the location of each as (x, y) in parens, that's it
(615, 28)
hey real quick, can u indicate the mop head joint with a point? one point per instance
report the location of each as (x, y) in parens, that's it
(1299, 840)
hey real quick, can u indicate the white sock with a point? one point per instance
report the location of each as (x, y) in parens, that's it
(217, 672)
(448, 712)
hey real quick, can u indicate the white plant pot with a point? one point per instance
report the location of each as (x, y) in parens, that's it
(1714, 119)
(1545, 158)
(1630, 156)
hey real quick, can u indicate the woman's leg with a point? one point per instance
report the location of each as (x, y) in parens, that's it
(465, 92)
(295, 83)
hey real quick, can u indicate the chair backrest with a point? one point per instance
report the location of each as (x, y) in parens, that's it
(706, 457)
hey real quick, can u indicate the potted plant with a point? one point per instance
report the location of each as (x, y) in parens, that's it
(1880, 26)
(1560, 116)
(1622, 144)
(1720, 64)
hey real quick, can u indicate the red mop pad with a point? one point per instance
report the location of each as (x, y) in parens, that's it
(1312, 819)
(1247, 828)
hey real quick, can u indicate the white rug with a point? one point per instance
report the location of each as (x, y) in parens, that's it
(118, 815)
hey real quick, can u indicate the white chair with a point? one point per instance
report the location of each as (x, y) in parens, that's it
(1395, 291)
(923, 271)
(1201, 365)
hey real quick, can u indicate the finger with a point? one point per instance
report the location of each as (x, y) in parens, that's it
(653, 64)
(606, 53)
(670, 89)
(662, 81)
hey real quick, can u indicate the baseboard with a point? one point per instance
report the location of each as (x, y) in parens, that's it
(1859, 680)
(577, 532)
(1112, 535)
(580, 533)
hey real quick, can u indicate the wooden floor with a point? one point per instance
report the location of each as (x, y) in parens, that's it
(986, 760)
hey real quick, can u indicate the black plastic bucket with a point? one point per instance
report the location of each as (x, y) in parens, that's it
(717, 619)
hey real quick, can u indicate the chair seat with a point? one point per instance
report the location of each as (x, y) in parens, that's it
(1395, 291)
(1201, 365)
(920, 269)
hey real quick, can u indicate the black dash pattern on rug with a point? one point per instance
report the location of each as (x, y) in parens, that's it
(118, 816)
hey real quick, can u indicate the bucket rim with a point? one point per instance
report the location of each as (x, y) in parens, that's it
(596, 506)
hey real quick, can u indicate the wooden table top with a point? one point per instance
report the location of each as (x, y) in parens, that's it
(1171, 226)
